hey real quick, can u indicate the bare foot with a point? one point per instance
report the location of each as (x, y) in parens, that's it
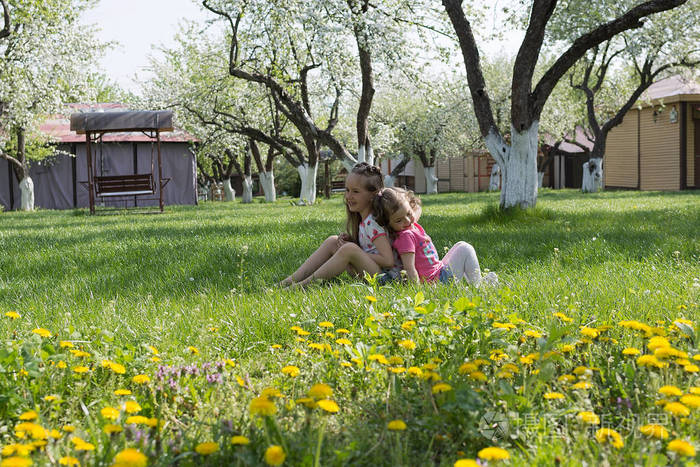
(285, 283)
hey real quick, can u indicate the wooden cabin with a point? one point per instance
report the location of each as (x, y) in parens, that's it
(657, 145)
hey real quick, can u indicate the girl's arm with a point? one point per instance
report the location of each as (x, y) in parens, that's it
(409, 264)
(417, 211)
(385, 256)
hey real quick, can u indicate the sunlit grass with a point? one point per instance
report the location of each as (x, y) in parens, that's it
(202, 277)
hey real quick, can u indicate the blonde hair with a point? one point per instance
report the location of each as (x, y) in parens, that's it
(387, 201)
(373, 183)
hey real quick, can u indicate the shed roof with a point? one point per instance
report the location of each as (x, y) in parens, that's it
(673, 89)
(59, 127)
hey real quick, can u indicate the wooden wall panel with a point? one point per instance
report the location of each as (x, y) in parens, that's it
(660, 151)
(620, 162)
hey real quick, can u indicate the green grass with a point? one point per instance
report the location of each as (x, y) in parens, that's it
(121, 281)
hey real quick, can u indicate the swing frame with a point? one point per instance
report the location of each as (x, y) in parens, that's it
(95, 125)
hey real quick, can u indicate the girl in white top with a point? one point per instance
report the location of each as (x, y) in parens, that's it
(363, 248)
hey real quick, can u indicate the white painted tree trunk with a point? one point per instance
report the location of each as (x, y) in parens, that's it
(247, 196)
(267, 182)
(495, 179)
(365, 154)
(308, 183)
(518, 166)
(540, 179)
(389, 181)
(26, 188)
(592, 175)
(229, 192)
(431, 181)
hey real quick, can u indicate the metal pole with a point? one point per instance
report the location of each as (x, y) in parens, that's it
(88, 154)
(160, 172)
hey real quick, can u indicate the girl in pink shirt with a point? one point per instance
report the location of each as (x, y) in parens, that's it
(398, 211)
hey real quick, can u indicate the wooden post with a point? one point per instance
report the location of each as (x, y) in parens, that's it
(160, 172)
(91, 187)
(327, 179)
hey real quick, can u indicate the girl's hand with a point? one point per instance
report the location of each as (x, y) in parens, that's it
(343, 238)
(409, 265)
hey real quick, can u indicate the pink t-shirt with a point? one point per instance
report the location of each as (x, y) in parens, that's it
(415, 240)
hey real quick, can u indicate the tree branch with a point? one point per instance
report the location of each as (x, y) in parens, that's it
(630, 20)
(5, 31)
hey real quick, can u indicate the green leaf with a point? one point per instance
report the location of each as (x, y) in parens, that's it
(462, 304)
(418, 299)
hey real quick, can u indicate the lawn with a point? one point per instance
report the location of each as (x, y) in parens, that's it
(185, 303)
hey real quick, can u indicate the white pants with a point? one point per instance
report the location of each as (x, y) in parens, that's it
(462, 261)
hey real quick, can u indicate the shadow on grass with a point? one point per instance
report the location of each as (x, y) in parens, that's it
(215, 249)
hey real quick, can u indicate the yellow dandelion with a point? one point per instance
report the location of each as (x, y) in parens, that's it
(16, 461)
(506, 326)
(41, 332)
(328, 405)
(69, 461)
(407, 344)
(441, 387)
(532, 333)
(676, 408)
(112, 429)
(325, 324)
(588, 417)
(657, 342)
(466, 463)
(320, 391)
(291, 371)
(654, 431)
(240, 440)
(29, 415)
(141, 379)
(582, 385)
(343, 341)
(68, 428)
(631, 351)
(681, 447)
(691, 400)
(110, 413)
(206, 448)
(262, 406)
(275, 346)
(65, 344)
(12, 315)
(61, 364)
(274, 455)
(122, 392)
(396, 425)
(137, 420)
(493, 453)
(193, 350)
(131, 407)
(415, 371)
(553, 395)
(670, 391)
(612, 437)
(50, 398)
(117, 368)
(563, 317)
(379, 358)
(79, 353)
(84, 447)
(130, 458)
(80, 369)
(591, 333)
(567, 348)
(371, 298)
(477, 376)
(691, 368)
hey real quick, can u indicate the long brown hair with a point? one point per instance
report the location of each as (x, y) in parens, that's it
(373, 182)
(387, 201)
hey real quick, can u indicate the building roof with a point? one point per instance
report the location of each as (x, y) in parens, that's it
(580, 137)
(672, 89)
(58, 127)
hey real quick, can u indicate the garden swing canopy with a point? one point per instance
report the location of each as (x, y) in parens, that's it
(137, 120)
(95, 125)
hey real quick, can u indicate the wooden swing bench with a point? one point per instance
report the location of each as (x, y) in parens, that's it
(124, 185)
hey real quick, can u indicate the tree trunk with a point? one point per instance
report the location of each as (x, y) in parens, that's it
(495, 179)
(540, 178)
(247, 196)
(592, 175)
(26, 184)
(267, 182)
(431, 181)
(308, 183)
(365, 153)
(389, 180)
(518, 166)
(229, 192)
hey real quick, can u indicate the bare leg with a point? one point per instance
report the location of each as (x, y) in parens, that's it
(463, 262)
(349, 254)
(317, 258)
